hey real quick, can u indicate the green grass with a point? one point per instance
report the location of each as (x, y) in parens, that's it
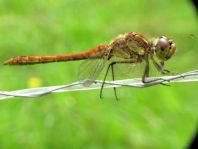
(154, 118)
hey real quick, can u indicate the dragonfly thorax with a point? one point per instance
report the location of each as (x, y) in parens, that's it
(164, 48)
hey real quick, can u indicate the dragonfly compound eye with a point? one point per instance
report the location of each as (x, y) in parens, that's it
(164, 48)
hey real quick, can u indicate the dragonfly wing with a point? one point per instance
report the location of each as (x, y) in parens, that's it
(90, 70)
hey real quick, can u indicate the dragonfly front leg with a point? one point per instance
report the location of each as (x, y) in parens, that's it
(160, 68)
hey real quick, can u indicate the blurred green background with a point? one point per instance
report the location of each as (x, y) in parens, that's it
(159, 117)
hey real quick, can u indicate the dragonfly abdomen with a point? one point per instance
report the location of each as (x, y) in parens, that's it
(28, 60)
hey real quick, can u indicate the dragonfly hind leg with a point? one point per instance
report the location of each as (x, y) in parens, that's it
(113, 77)
(111, 65)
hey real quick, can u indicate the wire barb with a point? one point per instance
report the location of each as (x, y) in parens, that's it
(191, 76)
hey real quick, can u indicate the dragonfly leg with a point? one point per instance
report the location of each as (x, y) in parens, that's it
(101, 90)
(113, 77)
(146, 74)
(161, 69)
(111, 65)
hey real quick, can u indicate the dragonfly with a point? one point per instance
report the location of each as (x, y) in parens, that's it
(130, 48)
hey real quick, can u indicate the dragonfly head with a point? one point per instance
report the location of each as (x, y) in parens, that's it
(164, 48)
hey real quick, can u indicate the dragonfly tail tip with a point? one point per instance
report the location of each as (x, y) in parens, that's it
(7, 62)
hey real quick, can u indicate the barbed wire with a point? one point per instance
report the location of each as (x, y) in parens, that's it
(191, 76)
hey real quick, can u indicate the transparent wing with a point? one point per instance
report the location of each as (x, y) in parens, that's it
(184, 42)
(90, 69)
(134, 70)
(123, 71)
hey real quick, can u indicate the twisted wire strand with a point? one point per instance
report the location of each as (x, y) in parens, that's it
(191, 76)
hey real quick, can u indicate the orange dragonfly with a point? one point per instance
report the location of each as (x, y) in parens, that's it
(131, 48)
